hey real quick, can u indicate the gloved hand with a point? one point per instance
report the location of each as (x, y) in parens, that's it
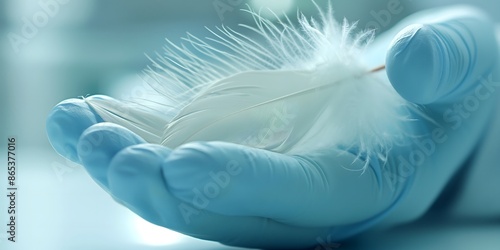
(250, 197)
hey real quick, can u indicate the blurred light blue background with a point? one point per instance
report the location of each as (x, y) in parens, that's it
(87, 47)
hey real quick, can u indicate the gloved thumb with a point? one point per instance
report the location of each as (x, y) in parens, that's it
(442, 62)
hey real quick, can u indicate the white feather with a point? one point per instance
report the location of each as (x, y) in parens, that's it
(288, 89)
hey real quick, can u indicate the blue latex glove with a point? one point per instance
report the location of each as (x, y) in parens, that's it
(249, 197)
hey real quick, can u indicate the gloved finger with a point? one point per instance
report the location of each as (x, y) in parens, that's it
(442, 62)
(316, 190)
(99, 143)
(65, 124)
(136, 180)
(68, 119)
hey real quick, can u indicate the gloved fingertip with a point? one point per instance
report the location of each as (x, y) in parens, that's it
(136, 160)
(413, 64)
(441, 62)
(135, 180)
(99, 144)
(66, 122)
(186, 167)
